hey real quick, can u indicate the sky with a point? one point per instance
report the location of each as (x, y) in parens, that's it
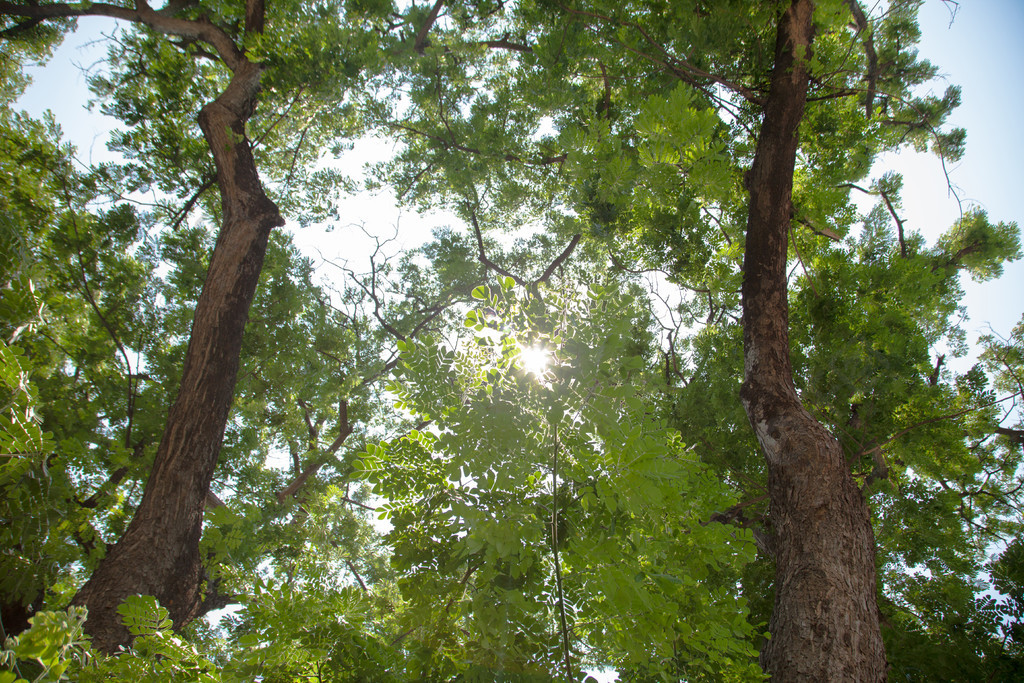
(979, 49)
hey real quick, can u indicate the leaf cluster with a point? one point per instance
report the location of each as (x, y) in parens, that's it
(533, 494)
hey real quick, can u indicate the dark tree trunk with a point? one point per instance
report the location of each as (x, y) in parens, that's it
(159, 553)
(14, 615)
(825, 623)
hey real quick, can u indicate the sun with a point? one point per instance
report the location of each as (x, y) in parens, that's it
(534, 359)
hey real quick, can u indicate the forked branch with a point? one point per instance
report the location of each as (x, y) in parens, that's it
(484, 259)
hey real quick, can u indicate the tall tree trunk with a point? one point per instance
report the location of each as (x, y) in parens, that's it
(159, 553)
(825, 623)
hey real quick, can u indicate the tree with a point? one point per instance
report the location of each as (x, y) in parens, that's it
(159, 552)
(824, 625)
(659, 116)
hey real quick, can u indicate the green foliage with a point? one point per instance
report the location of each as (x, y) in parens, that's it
(26, 484)
(586, 487)
(652, 161)
(979, 247)
(156, 653)
(20, 433)
(293, 632)
(54, 642)
(58, 648)
(289, 631)
(1007, 572)
(77, 301)
(28, 43)
(517, 466)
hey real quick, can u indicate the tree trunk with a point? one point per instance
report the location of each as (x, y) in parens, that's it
(825, 623)
(159, 553)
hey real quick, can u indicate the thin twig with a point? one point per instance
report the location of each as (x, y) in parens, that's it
(800, 258)
(566, 654)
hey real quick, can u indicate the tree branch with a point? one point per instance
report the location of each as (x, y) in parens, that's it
(352, 568)
(807, 274)
(932, 420)
(899, 223)
(111, 483)
(254, 16)
(824, 232)
(482, 255)
(422, 36)
(1015, 435)
(933, 378)
(605, 106)
(861, 23)
(735, 513)
(364, 506)
(559, 260)
(548, 272)
(20, 27)
(344, 430)
(190, 204)
(311, 430)
(200, 29)
(506, 44)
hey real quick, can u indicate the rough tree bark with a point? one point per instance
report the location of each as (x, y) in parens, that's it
(159, 553)
(824, 626)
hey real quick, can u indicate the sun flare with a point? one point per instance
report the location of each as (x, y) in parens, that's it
(535, 359)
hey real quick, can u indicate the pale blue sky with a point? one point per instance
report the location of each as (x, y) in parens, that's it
(983, 52)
